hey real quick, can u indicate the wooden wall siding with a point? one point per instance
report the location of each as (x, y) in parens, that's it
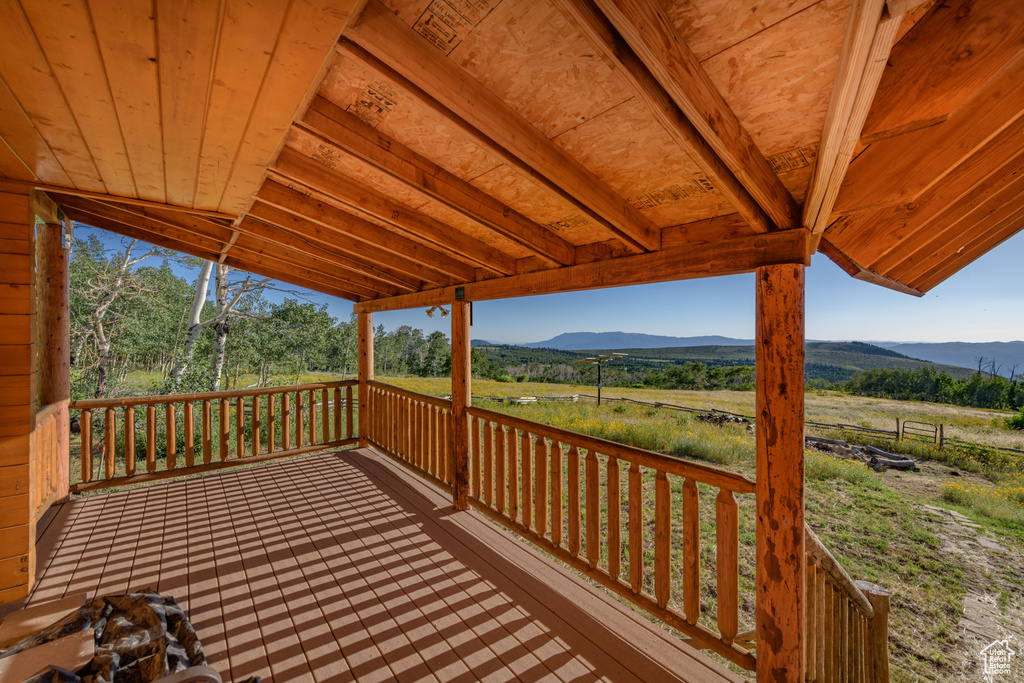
(18, 397)
(184, 102)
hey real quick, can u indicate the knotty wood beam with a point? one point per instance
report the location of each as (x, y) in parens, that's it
(356, 228)
(364, 332)
(780, 581)
(461, 400)
(346, 133)
(294, 167)
(599, 32)
(724, 257)
(869, 39)
(384, 35)
(649, 31)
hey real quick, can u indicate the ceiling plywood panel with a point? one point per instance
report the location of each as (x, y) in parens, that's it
(63, 28)
(11, 165)
(247, 39)
(550, 210)
(308, 35)
(526, 53)
(187, 37)
(32, 85)
(778, 81)
(126, 33)
(638, 159)
(712, 26)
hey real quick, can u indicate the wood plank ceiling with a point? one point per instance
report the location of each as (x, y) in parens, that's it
(393, 151)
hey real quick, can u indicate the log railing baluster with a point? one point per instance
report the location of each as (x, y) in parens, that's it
(593, 510)
(225, 429)
(614, 524)
(512, 472)
(541, 487)
(299, 417)
(190, 434)
(636, 529)
(172, 438)
(85, 420)
(691, 550)
(727, 564)
(526, 481)
(240, 427)
(325, 415)
(109, 443)
(207, 432)
(150, 439)
(574, 501)
(129, 441)
(556, 493)
(256, 424)
(286, 422)
(502, 485)
(488, 457)
(663, 539)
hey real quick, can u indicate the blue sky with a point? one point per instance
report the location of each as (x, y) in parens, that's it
(983, 302)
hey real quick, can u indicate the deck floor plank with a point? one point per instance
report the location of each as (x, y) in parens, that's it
(345, 567)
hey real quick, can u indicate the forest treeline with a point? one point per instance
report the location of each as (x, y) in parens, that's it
(927, 384)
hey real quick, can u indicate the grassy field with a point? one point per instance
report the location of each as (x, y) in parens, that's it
(947, 541)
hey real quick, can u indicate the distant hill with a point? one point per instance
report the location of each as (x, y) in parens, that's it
(966, 354)
(578, 341)
(828, 361)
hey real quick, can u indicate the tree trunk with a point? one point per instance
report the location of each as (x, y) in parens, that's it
(220, 341)
(195, 327)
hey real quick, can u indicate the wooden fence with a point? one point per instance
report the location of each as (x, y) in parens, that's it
(414, 428)
(243, 426)
(847, 622)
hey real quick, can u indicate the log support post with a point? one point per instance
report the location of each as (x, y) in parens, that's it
(54, 338)
(364, 323)
(780, 473)
(18, 400)
(461, 393)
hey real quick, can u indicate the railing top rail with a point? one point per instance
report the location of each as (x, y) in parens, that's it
(423, 398)
(704, 473)
(836, 571)
(46, 412)
(179, 398)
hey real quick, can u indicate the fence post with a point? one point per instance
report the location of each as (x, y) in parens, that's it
(941, 436)
(879, 599)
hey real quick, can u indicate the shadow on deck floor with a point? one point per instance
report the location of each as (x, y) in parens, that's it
(345, 567)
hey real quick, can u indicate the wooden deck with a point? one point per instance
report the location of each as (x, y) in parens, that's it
(346, 567)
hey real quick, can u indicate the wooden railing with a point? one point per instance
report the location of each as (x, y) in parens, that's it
(242, 426)
(414, 428)
(47, 477)
(847, 622)
(582, 500)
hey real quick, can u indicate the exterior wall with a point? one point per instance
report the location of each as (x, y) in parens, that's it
(17, 392)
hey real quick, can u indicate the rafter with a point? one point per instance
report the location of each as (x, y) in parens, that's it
(869, 38)
(296, 167)
(343, 131)
(649, 31)
(383, 34)
(858, 272)
(211, 239)
(724, 257)
(982, 243)
(599, 32)
(357, 229)
(199, 249)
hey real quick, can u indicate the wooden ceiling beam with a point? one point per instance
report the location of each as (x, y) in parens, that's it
(723, 257)
(599, 32)
(651, 34)
(900, 169)
(346, 133)
(384, 35)
(215, 239)
(869, 38)
(341, 221)
(857, 272)
(201, 249)
(273, 213)
(874, 236)
(296, 167)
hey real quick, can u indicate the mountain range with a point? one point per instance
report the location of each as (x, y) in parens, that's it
(1007, 356)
